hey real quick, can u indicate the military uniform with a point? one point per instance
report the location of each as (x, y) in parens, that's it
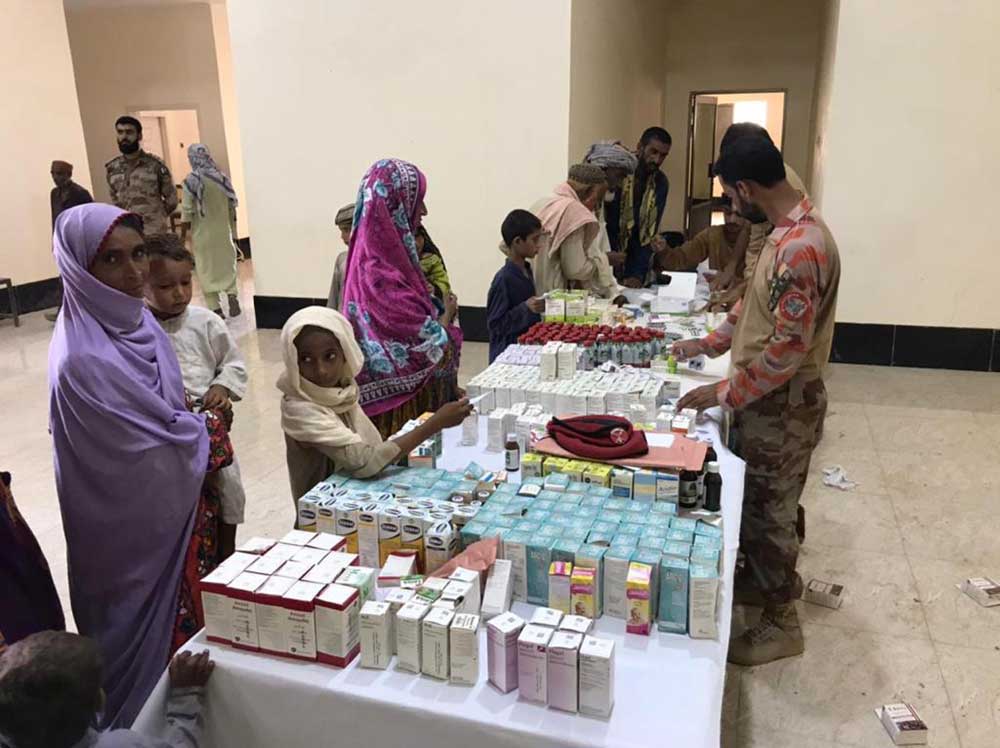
(143, 185)
(759, 232)
(780, 336)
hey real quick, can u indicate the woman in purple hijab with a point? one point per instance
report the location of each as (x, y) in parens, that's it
(130, 459)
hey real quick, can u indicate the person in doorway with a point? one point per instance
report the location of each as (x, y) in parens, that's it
(411, 351)
(634, 216)
(344, 220)
(131, 461)
(66, 194)
(51, 696)
(140, 182)
(511, 305)
(780, 336)
(760, 227)
(30, 600)
(569, 219)
(212, 366)
(209, 208)
(325, 428)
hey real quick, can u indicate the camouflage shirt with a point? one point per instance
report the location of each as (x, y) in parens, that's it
(784, 323)
(143, 186)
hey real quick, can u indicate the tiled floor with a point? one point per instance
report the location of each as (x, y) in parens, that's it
(924, 446)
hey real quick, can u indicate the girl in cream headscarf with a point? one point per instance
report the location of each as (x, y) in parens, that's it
(326, 430)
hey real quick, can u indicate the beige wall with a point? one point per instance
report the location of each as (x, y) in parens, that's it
(821, 103)
(474, 93)
(136, 58)
(732, 45)
(617, 68)
(39, 122)
(230, 113)
(909, 162)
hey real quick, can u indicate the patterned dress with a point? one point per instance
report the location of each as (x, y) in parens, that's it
(411, 359)
(28, 599)
(203, 548)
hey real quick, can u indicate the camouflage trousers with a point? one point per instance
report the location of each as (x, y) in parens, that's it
(775, 436)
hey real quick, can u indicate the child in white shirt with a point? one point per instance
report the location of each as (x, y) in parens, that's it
(211, 363)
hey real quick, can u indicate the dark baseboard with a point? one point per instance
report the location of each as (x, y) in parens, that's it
(31, 297)
(862, 344)
(273, 311)
(473, 322)
(961, 348)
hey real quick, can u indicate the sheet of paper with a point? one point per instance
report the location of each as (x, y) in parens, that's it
(659, 440)
(681, 286)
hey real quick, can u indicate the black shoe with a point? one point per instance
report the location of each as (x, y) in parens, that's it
(234, 307)
(219, 312)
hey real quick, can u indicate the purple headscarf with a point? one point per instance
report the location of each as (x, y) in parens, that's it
(385, 293)
(130, 461)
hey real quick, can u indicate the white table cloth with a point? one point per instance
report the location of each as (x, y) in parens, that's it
(668, 688)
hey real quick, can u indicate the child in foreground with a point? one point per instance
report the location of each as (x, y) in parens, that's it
(211, 363)
(50, 696)
(326, 430)
(511, 306)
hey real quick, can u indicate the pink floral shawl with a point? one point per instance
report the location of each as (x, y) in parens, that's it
(385, 295)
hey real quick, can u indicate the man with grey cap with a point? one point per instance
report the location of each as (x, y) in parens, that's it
(569, 219)
(617, 162)
(344, 220)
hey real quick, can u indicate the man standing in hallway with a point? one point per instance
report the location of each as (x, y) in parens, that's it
(634, 216)
(780, 335)
(139, 181)
(66, 194)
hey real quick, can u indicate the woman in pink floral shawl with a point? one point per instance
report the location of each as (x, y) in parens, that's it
(411, 348)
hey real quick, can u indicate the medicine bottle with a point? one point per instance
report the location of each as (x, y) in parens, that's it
(713, 487)
(687, 490)
(512, 454)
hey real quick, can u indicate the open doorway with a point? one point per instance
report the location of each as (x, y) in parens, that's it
(167, 133)
(711, 113)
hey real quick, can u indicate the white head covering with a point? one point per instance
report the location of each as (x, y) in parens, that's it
(323, 415)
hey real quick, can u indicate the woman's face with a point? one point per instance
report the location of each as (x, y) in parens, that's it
(321, 359)
(122, 262)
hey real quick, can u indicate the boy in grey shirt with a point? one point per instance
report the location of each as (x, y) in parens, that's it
(50, 696)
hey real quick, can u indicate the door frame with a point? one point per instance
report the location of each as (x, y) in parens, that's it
(692, 97)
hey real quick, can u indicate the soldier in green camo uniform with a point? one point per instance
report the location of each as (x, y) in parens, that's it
(140, 182)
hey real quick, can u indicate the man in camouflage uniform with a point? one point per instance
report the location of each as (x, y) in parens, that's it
(139, 181)
(780, 335)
